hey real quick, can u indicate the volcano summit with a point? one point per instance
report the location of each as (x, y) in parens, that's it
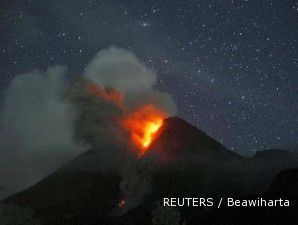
(128, 150)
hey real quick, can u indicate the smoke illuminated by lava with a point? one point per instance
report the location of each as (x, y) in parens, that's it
(128, 126)
(143, 125)
(112, 109)
(110, 95)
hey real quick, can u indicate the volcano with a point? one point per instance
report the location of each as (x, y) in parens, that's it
(181, 138)
(82, 193)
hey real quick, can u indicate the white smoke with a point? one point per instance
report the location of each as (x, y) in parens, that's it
(122, 70)
(38, 128)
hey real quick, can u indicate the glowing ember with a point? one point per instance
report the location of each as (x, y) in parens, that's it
(121, 204)
(143, 125)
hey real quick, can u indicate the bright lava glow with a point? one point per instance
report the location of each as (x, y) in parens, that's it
(149, 130)
(143, 125)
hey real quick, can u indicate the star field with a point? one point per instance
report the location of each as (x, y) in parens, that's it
(231, 66)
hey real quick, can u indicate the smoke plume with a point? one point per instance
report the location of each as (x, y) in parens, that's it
(38, 128)
(48, 120)
(123, 71)
(117, 69)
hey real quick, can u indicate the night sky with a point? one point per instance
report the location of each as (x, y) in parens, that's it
(230, 65)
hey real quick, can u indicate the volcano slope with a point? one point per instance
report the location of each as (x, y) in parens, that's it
(191, 164)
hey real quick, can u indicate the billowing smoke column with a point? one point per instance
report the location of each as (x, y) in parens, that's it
(121, 70)
(37, 129)
(120, 79)
(113, 108)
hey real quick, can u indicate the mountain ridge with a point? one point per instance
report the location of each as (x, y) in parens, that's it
(81, 193)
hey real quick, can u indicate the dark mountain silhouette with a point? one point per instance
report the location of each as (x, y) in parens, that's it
(179, 137)
(284, 186)
(285, 183)
(274, 154)
(80, 193)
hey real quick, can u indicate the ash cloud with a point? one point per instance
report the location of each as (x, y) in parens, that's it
(48, 121)
(38, 129)
(37, 115)
(122, 70)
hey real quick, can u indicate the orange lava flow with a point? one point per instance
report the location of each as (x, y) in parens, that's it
(143, 125)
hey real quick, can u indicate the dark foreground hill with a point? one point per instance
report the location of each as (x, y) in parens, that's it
(81, 194)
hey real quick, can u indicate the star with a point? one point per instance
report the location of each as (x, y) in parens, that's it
(145, 24)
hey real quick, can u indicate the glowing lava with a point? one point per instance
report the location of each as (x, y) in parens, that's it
(143, 125)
